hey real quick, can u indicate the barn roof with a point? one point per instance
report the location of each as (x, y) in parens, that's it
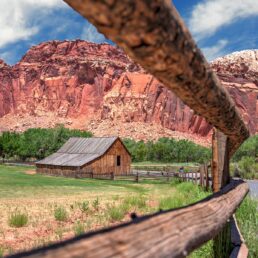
(79, 151)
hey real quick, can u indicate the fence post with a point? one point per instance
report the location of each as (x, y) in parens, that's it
(137, 177)
(221, 177)
(167, 177)
(201, 175)
(207, 177)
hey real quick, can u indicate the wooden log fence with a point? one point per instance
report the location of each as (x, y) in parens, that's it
(154, 35)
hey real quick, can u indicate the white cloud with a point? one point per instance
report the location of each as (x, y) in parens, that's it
(91, 34)
(215, 51)
(17, 18)
(210, 15)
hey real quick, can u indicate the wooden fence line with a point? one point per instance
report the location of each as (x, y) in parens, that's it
(200, 221)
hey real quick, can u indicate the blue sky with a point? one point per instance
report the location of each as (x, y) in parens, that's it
(219, 26)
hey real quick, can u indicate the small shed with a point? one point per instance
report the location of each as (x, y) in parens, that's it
(88, 157)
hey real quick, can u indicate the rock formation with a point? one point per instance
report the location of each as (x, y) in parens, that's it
(97, 87)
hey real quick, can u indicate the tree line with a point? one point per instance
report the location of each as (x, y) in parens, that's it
(37, 143)
(168, 150)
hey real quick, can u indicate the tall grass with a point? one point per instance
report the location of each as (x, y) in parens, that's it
(186, 193)
(79, 228)
(247, 218)
(18, 219)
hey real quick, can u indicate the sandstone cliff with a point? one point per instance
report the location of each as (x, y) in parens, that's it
(97, 87)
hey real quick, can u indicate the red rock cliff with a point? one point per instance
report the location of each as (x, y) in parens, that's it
(97, 87)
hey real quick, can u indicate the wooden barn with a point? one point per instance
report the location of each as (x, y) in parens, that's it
(88, 157)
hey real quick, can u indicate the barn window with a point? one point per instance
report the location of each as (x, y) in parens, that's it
(118, 161)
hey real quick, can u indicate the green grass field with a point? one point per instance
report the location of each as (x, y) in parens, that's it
(57, 208)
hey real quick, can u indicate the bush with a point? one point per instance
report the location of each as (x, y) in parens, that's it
(247, 168)
(84, 206)
(60, 214)
(116, 213)
(248, 149)
(95, 204)
(18, 219)
(78, 228)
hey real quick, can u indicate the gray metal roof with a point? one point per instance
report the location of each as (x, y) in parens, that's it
(79, 151)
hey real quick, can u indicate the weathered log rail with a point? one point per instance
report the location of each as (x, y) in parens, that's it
(155, 235)
(154, 35)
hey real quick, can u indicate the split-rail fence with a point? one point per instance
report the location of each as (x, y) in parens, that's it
(153, 34)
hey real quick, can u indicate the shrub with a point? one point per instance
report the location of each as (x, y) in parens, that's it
(248, 168)
(95, 204)
(116, 213)
(84, 206)
(60, 214)
(18, 219)
(78, 228)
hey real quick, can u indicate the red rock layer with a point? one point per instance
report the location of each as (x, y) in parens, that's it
(86, 85)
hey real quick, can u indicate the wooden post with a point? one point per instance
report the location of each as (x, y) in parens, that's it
(220, 178)
(207, 177)
(137, 177)
(201, 175)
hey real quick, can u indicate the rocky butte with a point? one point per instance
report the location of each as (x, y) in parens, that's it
(97, 87)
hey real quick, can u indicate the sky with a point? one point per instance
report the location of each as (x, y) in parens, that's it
(219, 27)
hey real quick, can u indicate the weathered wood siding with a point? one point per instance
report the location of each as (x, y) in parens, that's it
(107, 164)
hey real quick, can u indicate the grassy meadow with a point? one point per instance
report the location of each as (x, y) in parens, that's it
(36, 210)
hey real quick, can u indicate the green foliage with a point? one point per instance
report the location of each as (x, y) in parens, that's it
(247, 217)
(246, 168)
(135, 201)
(185, 191)
(60, 214)
(84, 206)
(18, 219)
(167, 150)
(95, 204)
(36, 143)
(116, 213)
(78, 228)
(248, 149)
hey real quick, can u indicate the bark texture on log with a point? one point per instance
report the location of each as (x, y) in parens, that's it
(173, 233)
(153, 34)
